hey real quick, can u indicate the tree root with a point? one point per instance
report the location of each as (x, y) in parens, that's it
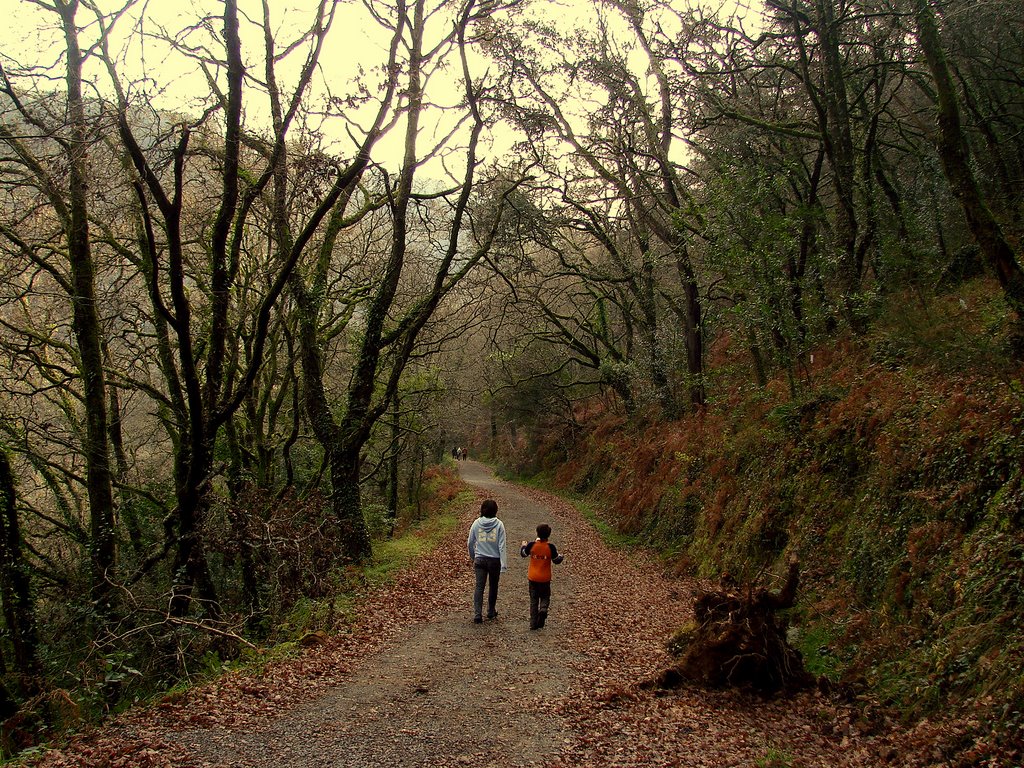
(737, 640)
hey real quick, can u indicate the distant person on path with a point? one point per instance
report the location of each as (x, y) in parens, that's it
(486, 544)
(542, 554)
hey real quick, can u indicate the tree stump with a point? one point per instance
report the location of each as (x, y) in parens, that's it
(737, 640)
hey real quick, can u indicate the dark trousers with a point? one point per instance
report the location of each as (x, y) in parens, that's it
(540, 599)
(488, 571)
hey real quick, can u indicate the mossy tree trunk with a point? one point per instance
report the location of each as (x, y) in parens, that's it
(955, 156)
(15, 589)
(86, 322)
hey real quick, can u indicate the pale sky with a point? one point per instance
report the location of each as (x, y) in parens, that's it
(174, 83)
(171, 79)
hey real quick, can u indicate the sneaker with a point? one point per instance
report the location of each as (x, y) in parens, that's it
(492, 615)
(478, 620)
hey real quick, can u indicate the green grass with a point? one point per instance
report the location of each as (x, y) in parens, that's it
(774, 758)
(815, 643)
(392, 555)
(609, 535)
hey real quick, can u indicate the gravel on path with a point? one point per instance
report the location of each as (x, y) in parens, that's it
(416, 683)
(443, 692)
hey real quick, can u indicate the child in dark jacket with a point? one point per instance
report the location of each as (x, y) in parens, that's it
(542, 554)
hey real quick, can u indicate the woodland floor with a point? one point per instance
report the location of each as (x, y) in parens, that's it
(416, 683)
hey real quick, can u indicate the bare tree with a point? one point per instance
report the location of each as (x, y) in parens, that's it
(204, 389)
(391, 323)
(624, 151)
(69, 203)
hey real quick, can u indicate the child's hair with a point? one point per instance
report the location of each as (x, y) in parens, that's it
(489, 508)
(543, 531)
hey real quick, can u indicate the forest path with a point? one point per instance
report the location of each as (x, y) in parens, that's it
(416, 683)
(443, 692)
(446, 692)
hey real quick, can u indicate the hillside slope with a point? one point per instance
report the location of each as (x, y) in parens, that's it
(894, 472)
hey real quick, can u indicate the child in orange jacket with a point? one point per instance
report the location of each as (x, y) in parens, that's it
(542, 554)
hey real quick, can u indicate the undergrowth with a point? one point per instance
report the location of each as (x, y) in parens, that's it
(895, 472)
(415, 534)
(333, 604)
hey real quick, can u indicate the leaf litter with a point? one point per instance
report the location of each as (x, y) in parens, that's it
(613, 610)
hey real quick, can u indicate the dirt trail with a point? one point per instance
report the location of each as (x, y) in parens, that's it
(445, 692)
(416, 683)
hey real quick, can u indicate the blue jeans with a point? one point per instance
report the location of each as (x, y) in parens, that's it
(488, 571)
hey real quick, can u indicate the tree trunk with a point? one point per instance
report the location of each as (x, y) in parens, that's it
(796, 269)
(621, 384)
(86, 323)
(839, 148)
(191, 569)
(694, 334)
(674, 193)
(239, 517)
(127, 506)
(955, 157)
(342, 460)
(393, 452)
(15, 588)
(760, 370)
(649, 332)
(347, 505)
